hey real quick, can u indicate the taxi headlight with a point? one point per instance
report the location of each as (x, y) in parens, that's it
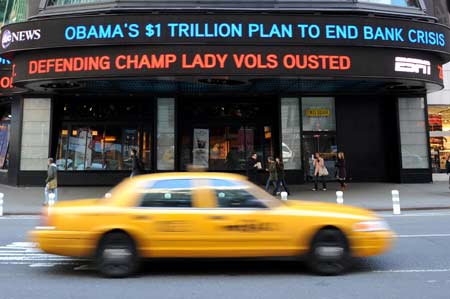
(371, 226)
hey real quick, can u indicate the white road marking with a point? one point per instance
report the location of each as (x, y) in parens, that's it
(424, 236)
(415, 215)
(412, 271)
(22, 245)
(42, 265)
(86, 267)
(20, 217)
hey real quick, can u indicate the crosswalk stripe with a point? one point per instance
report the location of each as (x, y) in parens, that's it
(19, 217)
(27, 253)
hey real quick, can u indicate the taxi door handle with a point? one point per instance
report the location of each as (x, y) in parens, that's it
(142, 217)
(216, 217)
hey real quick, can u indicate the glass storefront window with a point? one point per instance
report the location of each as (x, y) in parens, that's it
(166, 134)
(99, 136)
(74, 2)
(221, 135)
(401, 3)
(413, 133)
(12, 11)
(439, 127)
(98, 148)
(290, 131)
(318, 114)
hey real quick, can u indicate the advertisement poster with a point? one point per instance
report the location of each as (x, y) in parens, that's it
(4, 141)
(201, 147)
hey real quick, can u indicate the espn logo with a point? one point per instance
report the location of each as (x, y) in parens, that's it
(412, 65)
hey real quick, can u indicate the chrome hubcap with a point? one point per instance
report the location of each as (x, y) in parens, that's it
(329, 252)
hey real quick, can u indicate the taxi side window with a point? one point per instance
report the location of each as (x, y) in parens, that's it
(231, 194)
(169, 194)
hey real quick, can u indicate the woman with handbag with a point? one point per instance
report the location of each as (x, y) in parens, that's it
(320, 171)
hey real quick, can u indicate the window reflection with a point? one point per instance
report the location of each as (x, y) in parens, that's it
(221, 135)
(402, 3)
(100, 135)
(73, 2)
(100, 148)
(12, 11)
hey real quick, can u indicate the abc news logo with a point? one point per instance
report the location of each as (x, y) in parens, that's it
(9, 37)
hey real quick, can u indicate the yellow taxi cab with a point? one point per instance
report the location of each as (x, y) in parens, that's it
(207, 215)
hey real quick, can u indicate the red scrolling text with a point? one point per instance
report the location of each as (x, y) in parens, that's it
(70, 64)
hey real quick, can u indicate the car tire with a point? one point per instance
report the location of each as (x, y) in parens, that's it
(329, 253)
(116, 255)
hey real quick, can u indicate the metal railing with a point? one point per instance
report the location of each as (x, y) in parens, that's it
(62, 7)
(398, 3)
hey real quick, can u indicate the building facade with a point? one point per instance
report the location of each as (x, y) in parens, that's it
(207, 83)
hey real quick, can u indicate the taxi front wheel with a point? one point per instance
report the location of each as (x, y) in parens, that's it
(329, 253)
(116, 255)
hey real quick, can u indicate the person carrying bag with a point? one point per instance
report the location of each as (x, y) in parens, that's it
(320, 171)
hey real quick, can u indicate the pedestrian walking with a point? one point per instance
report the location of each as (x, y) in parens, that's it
(447, 169)
(320, 171)
(281, 178)
(51, 182)
(137, 167)
(252, 168)
(273, 178)
(341, 173)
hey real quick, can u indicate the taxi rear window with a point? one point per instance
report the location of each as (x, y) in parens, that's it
(168, 193)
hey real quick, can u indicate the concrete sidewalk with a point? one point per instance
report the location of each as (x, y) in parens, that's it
(375, 196)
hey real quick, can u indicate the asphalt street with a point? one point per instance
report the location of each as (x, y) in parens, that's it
(417, 267)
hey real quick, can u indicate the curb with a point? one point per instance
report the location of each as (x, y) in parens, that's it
(374, 209)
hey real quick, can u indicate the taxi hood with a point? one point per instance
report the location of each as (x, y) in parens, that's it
(322, 207)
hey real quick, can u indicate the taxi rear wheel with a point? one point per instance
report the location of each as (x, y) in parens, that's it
(330, 253)
(116, 255)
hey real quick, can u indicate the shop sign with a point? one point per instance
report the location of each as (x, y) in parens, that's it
(317, 112)
(225, 29)
(184, 60)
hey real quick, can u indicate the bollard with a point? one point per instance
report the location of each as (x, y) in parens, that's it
(1, 203)
(396, 202)
(284, 195)
(340, 197)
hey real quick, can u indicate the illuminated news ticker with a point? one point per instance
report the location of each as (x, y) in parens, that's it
(226, 29)
(182, 60)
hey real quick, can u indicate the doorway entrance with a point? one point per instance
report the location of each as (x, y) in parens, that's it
(221, 134)
(323, 143)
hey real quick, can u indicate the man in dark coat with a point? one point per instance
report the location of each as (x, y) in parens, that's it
(281, 177)
(137, 167)
(252, 168)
